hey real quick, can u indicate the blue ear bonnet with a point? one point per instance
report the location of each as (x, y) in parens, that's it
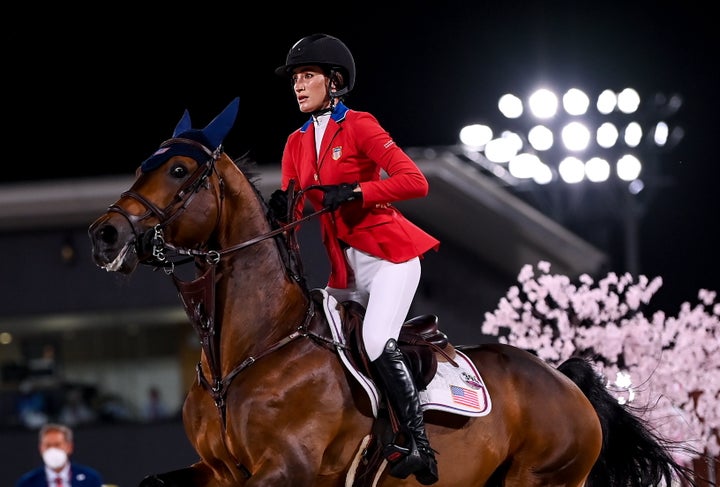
(165, 152)
(210, 138)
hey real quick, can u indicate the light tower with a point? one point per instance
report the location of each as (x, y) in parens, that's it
(577, 157)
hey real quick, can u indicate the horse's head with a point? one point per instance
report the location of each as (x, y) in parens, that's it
(173, 199)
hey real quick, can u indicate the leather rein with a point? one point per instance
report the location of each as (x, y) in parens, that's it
(198, 295)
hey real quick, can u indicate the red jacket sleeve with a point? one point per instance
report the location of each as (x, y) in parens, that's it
(404, 179)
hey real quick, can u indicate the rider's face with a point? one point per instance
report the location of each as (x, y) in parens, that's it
(310, 86)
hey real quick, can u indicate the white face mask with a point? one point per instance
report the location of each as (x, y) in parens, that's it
(54, 458)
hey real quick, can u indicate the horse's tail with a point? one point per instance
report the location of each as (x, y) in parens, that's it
(632, 454)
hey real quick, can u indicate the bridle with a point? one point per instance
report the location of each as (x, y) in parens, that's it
(153, 243)
(198, 295)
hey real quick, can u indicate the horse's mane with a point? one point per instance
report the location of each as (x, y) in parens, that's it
(248, 166)
(286, 241)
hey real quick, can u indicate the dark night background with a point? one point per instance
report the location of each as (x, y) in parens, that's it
(93, 91)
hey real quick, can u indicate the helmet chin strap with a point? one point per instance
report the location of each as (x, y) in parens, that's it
(323, 111)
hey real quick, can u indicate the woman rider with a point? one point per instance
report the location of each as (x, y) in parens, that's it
(374, 251)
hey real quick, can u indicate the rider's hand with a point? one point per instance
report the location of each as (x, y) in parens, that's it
(337, 194)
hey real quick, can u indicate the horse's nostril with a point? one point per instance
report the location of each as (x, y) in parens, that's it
(108, 234)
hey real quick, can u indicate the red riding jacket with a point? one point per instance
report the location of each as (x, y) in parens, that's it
(355, 148)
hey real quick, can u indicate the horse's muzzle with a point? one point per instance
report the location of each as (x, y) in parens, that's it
(114, 243)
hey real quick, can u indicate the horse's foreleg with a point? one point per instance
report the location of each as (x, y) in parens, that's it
(197, 475)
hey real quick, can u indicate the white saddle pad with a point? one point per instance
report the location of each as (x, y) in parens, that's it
(455, 389)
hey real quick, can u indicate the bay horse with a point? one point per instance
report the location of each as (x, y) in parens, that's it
(273, 404)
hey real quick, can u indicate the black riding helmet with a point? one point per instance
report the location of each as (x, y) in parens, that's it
(327, 52)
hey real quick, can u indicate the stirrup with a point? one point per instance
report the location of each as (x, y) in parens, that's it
(411, 460)
(394, 452)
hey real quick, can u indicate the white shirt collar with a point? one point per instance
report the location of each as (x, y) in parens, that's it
(322, 119)
(64, 473)
(321, 122)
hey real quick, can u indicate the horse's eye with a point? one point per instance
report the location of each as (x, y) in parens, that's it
(178, 171)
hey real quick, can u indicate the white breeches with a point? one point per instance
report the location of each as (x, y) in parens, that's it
(386, 290)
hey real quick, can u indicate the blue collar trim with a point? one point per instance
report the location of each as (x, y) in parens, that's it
(338, 115)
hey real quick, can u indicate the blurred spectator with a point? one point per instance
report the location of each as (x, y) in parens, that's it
(46, 364)
(155, 408)
(55, 446)
(31, 406)
(75, 410)
(112, 408)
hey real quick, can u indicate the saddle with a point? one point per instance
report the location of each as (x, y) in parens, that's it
(419, 340)
(423, 345)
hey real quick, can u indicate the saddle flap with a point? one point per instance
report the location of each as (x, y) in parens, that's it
(423, 328)
(420, 340)
(456, 385)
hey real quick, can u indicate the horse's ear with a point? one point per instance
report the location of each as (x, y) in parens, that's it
(220, 126)
(183, 125)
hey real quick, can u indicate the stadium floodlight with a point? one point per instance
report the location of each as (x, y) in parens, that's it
(609, 130)
(581, 142)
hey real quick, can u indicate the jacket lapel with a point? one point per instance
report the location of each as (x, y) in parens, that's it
(328, 137)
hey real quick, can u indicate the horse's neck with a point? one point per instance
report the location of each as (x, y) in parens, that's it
(242, 219)
(253, 283)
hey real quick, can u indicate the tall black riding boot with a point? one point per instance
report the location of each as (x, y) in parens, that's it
(402, 394)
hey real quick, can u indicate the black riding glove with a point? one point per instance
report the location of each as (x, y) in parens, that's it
(337, 194)
(279, 205)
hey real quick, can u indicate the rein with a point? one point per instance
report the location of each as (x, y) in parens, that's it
(213, 256)
(198, 295)
(198, 180)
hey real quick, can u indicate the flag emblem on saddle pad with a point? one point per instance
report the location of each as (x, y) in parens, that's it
(464, 396)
